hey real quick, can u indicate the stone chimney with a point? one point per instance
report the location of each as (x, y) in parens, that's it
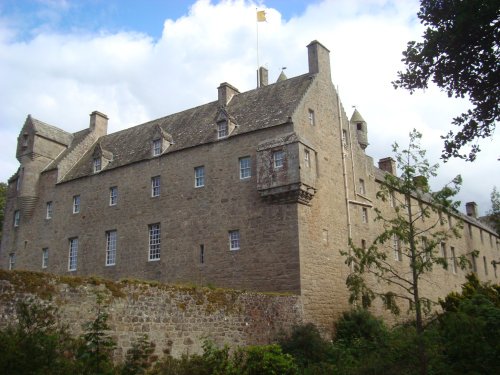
(226, 92)
(263, 76)
(98, 123)
(471, 209)
(319, 59)
(388, 165)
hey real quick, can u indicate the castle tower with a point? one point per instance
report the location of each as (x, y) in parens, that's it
(361, 130)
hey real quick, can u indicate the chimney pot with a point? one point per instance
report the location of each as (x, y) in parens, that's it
(226, 92)
(98, 123)
(471, 209)
(319, 58)
(263, 77)
(388, 165)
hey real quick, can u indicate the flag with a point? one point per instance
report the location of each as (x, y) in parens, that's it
(261, 16)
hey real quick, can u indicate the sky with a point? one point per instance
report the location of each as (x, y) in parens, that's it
(140, 60)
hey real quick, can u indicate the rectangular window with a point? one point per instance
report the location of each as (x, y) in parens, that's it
(157, 147)
(234, 240)
(45, 257)
(199, 176)
(491, 240)
(393, 199)
(111, 248)
(363, 244)
(470, 229)
(154, 241)
(17, 218)
(48, 211)
(307, 158)
(396, 244)
(12, 261)
(344, 137)
(245, 167)
(362, 189)
(311, 117)
(202, 254)
(453, 260)
(76, 204)
(97, 164)
(443, 251)
(155, 186)
(426, 252)
(222, 129)
(364, 215)
(485, 266)
(113, 195)
(474, 264)
(481, 235)
(450, 222)
(278, 159)
(73, 254)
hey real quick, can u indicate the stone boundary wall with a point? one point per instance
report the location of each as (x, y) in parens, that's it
(176, 318)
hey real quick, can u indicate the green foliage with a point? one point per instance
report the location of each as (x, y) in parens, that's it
(265, 360)
(140, 357)
(494, 212)
(459, 53)
(360, 324)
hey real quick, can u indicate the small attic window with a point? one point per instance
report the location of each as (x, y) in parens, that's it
(222, 129)
(157, 149)
(97, 164)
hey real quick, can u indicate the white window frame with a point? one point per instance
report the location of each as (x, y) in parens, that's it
(111, 236)
(312, 120)
(307, 158)
(113, 195)
(234, 239)
(199, 176)
(45, 257)
(155, 186)
(222, 129)
(76, 204)
(73, 254)
(453, 260)
(97, 164)
(17, 218)
(245, 167)
(396, 244)
(154, 250)
(12, 261)
(49, 210)
(278, 159)
(157, 147)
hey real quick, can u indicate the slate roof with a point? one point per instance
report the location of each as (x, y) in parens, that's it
(50, 132)
(356, 117)
(256, 109)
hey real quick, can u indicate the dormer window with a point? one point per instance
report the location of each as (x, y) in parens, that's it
(222, 129)
(97, 164)
(278, 158)
(157, 149)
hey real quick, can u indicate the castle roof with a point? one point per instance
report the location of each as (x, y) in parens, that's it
(356, 117)
(50, 132)
(256, 109)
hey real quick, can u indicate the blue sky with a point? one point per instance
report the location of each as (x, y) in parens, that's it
(140, 60)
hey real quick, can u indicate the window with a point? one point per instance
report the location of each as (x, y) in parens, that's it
(481, 235)
(157, 147)
(364, 215)
(474, 264)
(111, 248)
(76, 204)
(393, 199)
(25, 140)
(154, 242)
(48, 211)
(362, 189)
(155, 186)
(396, 244)
(470, 229)
(307, 158)
(450, 222)
(491, 240)
(12, 261)
(97, 164)
(245, 168)
(426, 251)
(199, 176)
(222, 129)
(234, 240)
(344, 137)
(17, 218)
(363, 244)
(443, 251)
(359, 126)
(278, 159)
(453, 260)
(73, 254)
(311, 117)
(45, 257)
(113, 195)
(202, 254)
(485, 266)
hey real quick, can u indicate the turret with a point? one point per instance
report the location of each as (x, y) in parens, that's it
(358, 124)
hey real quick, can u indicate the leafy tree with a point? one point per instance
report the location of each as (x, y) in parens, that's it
(413, 232)
(140, 357)
(494, 212)
(3, 195)
(460, 54)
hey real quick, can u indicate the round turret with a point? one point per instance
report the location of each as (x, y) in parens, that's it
(359, 124)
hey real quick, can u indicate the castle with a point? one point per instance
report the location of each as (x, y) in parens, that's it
(258, 190)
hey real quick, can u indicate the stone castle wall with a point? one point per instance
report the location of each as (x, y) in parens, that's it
(177, 319)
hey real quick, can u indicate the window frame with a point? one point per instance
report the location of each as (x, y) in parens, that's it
(49, 210)
(364, 215)
(311, 117)
(222, 129)
(453, 259)
(73, 254)
(245, 164)
(278, 159)
(12, 261)
(154, 247)
(113, 195)
(17, 218)
(307, 158)
(234, 240)
(362, 187)
(45, 257)
(199, 176)
(97, 164)
(76, 204)
(157, 148)
(155, 186)
(396, 244)
(111, 239)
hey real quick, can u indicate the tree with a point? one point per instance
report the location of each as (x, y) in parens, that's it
(460, 53)
(3, 194)
(494, 212)
(414, 232)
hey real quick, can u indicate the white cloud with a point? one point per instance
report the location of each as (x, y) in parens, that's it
(132, 78)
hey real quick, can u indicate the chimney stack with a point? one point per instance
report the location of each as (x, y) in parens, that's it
(226, 92)
(319, 59)
(471, 209)
(388, 165)
(263, 76)
(99, 123)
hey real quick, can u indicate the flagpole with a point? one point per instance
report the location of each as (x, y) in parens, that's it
(257, 27)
